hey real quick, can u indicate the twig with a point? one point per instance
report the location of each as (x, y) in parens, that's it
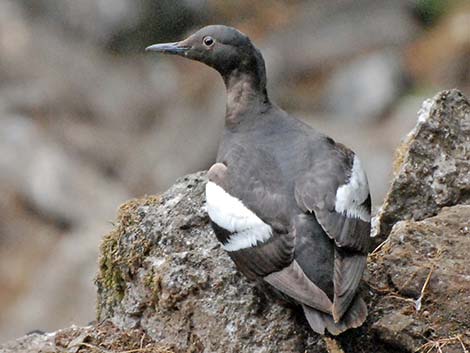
(377, 249)
(147, 349)
(461, 343)
(428, 278)
(401, 298)
(136, 350)
(91, 346)
(441, 343)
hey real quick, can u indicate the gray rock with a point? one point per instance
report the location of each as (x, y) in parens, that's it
(365, 88)
(67, 189)
(163, 270)
(326, 32)
(165, 280)
(422, 273)
(56, 183)
(102, 337)
(181, 143)
(432, 166)
(61, 290)
(98, 20)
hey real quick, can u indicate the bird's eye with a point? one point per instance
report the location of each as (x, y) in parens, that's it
(208, 41)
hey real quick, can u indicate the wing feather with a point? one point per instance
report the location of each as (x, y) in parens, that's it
(293, 282)
(344, 216)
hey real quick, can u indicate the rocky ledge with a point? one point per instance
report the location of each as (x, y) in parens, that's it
(165, 284)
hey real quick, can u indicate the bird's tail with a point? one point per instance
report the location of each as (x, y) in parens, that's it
(354, 317)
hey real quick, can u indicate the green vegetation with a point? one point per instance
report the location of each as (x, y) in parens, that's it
(117, 264)
(429, 11)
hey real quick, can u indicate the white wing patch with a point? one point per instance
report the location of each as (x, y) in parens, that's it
(350, 196)
(231, 214)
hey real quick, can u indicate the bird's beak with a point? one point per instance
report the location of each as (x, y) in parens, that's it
(175, 48)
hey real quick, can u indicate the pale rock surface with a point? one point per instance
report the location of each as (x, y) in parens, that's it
(432, 166)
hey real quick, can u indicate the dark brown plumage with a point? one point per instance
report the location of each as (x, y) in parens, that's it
(288, 204)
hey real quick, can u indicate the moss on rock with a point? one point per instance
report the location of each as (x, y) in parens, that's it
(117, 264)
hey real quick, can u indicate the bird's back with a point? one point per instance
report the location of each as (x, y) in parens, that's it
(265, 163)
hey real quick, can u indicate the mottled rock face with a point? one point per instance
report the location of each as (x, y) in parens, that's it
(102, 337)
(163, 270)
(433, 164)
(422, 272)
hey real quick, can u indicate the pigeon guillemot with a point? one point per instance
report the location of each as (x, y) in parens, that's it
(289, 204)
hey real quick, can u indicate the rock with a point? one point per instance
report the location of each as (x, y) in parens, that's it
(118, 24)
(163, 270)
(365, 88)
(432, 166)
(13, 31)
(61, 290)
(54, 206)
(181, 134)
(422, 273)
(55, 183)
(63, 188)
(24, 246)
(164, 277)
(102, 337)
(320, 36)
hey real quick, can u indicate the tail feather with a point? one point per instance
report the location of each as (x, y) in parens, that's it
(354, 317)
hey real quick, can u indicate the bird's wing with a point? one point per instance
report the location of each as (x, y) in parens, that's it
(247, 206)
(336, 192)
(263, 203)
(293, 282)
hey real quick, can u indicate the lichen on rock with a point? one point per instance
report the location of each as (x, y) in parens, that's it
(118, 262)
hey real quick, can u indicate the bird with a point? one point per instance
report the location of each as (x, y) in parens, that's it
(289, 205)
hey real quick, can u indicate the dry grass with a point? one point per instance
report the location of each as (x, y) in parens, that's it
(107, 338)
(439, 344)
(99, 349)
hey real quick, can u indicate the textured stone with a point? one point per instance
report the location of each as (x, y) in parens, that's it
(422, 273)
(164, 277)
(433, 164)
(162, 269)
(102, 337)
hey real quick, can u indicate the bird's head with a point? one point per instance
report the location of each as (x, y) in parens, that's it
(223, 48)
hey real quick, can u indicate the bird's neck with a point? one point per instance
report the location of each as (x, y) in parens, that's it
(246, 97)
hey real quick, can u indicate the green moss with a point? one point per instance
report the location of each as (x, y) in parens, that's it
(429, 11)
(121, 257)
(153, 282)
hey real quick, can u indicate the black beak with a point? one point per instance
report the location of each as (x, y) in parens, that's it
(168, 48)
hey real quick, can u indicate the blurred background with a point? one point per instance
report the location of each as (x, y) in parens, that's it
(88, 119)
